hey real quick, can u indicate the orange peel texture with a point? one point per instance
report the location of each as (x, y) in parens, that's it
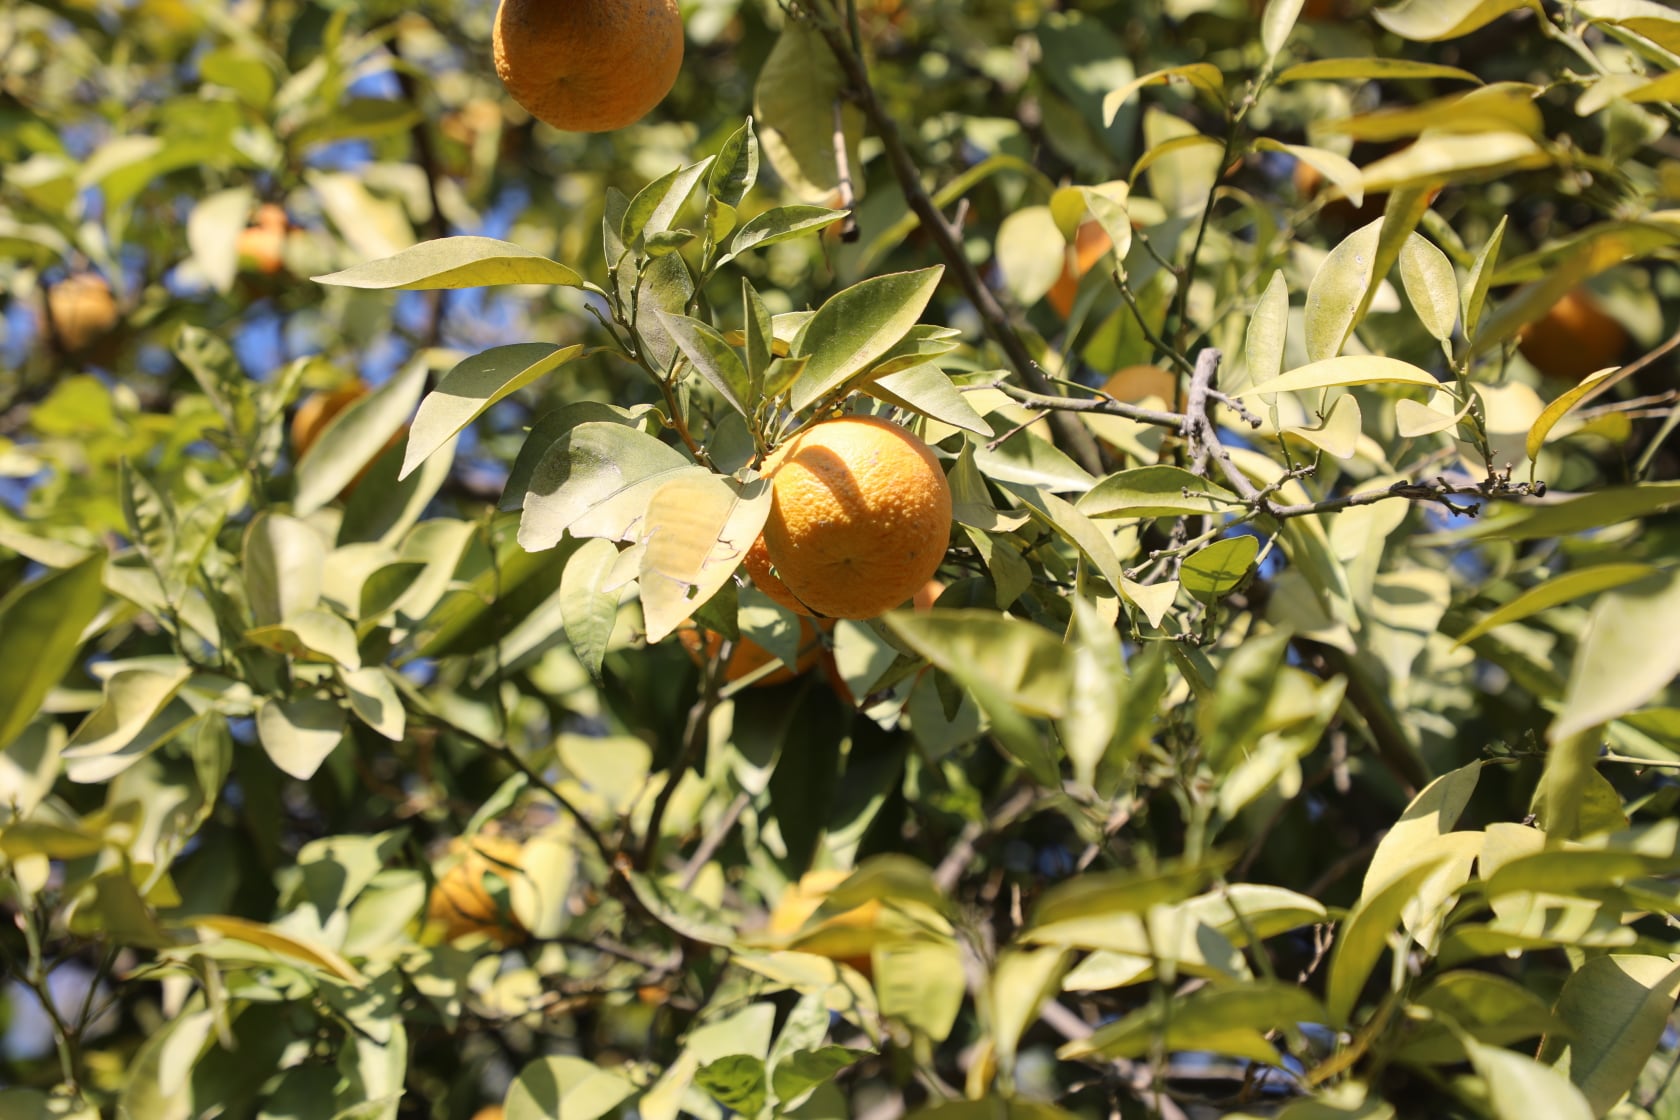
(588, 65)
(859, 522)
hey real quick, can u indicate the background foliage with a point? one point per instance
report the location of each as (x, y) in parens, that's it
(1298, 749)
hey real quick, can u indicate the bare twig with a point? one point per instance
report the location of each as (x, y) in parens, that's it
(713, 840)
(956, 861)
(843, 172)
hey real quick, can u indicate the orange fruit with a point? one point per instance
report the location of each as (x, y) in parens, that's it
(588, 65)
(748, 656)
(1576, 337)
(1088, 247)
(262, 244)
(859, 519)
(489, 1112)
(83, 310)
(1136, 384)
(845, 937)
(461, 901)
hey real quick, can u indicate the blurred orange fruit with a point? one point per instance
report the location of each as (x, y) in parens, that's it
(262, 244)
(1090, 243)
(83, 311)
(748, 656)
(1576, 337)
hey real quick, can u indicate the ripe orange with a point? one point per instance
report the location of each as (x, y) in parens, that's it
(1575, 338)
(859, 521)
(262, 244)
(748, 656)
(83, 310)
(461, 901)
(588, 65)
(845, 937)
(489, 1112)
(1090, 243)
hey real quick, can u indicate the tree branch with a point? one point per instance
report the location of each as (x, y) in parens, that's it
(1075, 438)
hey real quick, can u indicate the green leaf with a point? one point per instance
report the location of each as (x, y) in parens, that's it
(1081, 911)
(780, 223)
(1374, 68)
(656, 205)
(1431, 285)
(1336, 296)
(283, 561)
(1656, 22)
(1362, 937)
(1160, 491)
(374, 700)
(1470, 157)
(1364, 369)
(1432, 21)
(928, 391)
(43, 622)
(1203, 76)
(803, 1070)
(921, 983)
(1224, 1019)
(1481, 277)
(1021, 981)
(353, 438)
(1520, 1088)
(738, 1082)
(1432, 813)
(1626, 656)
(455, 262)
(311, 635)
(699, 526)
(467, 392)
(1563, 588)
(1268, 331)
(1614, 1010)
(299, 734)
(713, 359)
(136, 716)
(1578, 514)
(736, 169)
(1213, 572)
(1027, 665)
(857, 326)
(1561, 407)
(565, 1086)
(596, 480)
(794, 103)
(282, 943)
(1276, 22)
(213, 230)
(1030, 253)
(587, 606)
(1339, 170)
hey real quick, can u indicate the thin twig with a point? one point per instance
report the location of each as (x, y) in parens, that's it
(713, 840)
(843, 172)
(956, 861)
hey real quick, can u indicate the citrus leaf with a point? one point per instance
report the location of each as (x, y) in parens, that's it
(596, 481)
(1614, 1010)
(1561, 589)
(43, 622)
(1432, 21)
(712, 358)
(1159, 491)
(1371, 69)
(1362, 937)
(1520, 1088)
(354, 437)
(1364, 369)
(466, 392)
(1561, 407)
(699, 527)
(455, 262)
(290, 946)
(1203, 76)
(1431, 285)
(854, 328)
(299, 734)
(561, 1085)
(1626, 656)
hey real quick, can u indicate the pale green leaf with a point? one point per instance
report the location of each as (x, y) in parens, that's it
(466, 392)
(456, 262)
